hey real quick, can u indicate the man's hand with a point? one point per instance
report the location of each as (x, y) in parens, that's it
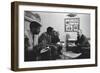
(44, 50)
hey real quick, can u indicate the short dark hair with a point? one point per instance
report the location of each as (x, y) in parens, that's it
(49, 29)
(34, 24)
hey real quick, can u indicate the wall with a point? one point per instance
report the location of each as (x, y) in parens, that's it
(57, 21)
(5, 37)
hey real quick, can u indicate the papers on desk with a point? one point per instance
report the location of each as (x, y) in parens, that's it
(71, 44)
(71, 54)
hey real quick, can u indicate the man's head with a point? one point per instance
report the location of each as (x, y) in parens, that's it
(79, 32)
(49, 30)
(55, 33)
(35, 27)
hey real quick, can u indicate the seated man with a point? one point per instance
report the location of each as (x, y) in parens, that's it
(48, 41)
(83, 45)
(82, 40)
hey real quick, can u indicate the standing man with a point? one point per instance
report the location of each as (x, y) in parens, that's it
(30, 53)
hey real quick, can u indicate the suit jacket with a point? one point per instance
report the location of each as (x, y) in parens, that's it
(82, 41)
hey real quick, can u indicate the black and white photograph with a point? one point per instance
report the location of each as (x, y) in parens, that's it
(56, 36)
(53, 36)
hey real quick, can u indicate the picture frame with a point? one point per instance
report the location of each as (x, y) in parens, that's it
(22, 11)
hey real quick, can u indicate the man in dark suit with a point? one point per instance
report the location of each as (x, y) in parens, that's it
(49, 49)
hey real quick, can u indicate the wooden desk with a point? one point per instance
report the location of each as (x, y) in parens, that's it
(80, 49)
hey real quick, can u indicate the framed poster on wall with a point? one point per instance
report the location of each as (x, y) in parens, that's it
(72, 24)
(38, 36)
